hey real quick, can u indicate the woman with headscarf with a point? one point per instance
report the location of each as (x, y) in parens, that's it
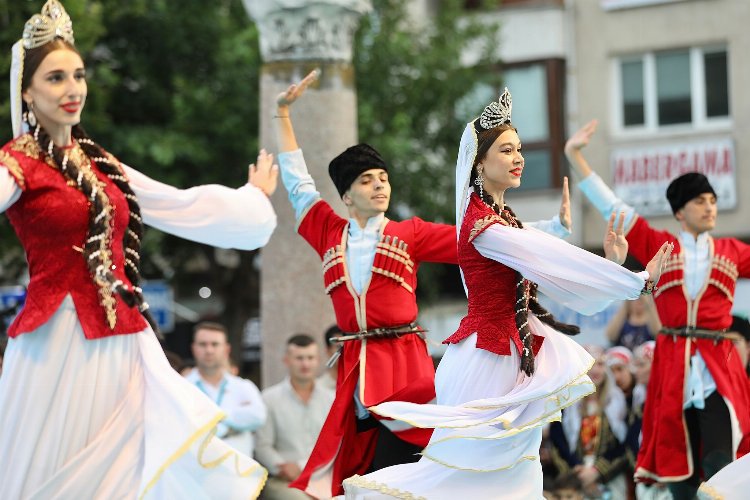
(508, 370)
(89, 405)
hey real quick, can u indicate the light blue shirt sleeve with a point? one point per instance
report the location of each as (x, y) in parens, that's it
(603, 199)
(297, 180)
(551, 226)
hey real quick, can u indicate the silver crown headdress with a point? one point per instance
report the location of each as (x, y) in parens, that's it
(497, 113)
(51, 23)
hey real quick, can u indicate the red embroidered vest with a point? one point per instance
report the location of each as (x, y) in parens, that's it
(491, 289)
(51, 220)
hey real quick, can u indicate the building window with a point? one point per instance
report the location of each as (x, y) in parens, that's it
(687, 87)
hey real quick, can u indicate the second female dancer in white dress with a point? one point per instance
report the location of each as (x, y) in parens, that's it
(508, 370)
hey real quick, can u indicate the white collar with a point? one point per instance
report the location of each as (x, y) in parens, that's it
(688, 240)
(372, 225)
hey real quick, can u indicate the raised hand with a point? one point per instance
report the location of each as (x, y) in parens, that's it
(656, 265)
(295, 90)
(615, 244)
(580, 139)
(565, 218)
(264, 174)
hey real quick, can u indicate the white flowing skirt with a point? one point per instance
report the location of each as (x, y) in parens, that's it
(730, 483)
(488, 423)
(109, 418)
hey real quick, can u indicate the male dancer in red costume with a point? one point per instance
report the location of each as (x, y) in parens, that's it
(697, 418)
(369, 270)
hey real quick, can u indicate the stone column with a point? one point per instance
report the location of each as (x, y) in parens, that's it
(297, 36)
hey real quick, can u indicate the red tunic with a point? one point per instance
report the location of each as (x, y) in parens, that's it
(491, 286)
(665, 451)
(387, 369)
(51, 220)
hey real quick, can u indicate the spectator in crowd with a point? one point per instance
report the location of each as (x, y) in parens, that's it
(634, 323)
(619, 361)
(330, 375)
(741, 327)
(589, 440)
(568, 487)
(297, 408)
(239, 398)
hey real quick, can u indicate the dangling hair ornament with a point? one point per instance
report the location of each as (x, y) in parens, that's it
(497, 113)
(479, 182)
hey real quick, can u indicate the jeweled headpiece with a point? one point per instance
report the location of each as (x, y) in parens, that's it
(53, 22)
(497, 113)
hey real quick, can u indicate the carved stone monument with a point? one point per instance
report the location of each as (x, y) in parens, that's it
(297, 36)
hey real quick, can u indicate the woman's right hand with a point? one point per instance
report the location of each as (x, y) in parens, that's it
(295, 90)
(656, 266)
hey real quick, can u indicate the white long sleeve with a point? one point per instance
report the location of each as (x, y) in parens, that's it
(216, 215)
(9, 190)
(567, 274)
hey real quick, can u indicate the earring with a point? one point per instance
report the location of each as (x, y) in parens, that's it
(30, 116)
(479, 181)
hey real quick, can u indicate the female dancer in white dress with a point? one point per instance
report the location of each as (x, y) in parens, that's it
(508, 370)
(89, 405)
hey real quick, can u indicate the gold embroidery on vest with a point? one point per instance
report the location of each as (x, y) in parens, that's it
(481, 224)
(13, 167)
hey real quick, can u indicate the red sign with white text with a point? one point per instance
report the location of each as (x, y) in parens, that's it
(641, 175)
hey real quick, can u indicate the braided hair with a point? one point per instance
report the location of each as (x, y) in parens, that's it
(96, 249)
(526, 291)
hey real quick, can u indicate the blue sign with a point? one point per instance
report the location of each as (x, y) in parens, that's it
(12, 299)
(160, 298)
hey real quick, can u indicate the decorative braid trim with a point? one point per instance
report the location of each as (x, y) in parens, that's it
(395, 277)
(14, 168)
(27, 145)
(667, 286)
(483, 223)
(726, 266)
(361, 482)
(721, 286)
(104, 250)
(334, 284)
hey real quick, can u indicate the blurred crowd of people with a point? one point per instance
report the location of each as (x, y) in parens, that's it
(591, 453)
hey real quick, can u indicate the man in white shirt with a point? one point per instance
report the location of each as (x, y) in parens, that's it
(240, 399)
(297, 408)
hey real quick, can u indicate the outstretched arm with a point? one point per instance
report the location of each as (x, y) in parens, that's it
(297, 180)
(282, 120)
(598, 193)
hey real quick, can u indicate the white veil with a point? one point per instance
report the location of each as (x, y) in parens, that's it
(16, 73)
(467, 151)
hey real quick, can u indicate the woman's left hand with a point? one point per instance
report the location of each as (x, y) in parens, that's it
(615, 245)
(264, 174)
(565, 218)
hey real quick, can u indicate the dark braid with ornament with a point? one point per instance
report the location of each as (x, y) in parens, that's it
(526, 291)
(97, 257)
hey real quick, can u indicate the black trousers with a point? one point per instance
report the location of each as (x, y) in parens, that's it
(710, 434)
(389, 449)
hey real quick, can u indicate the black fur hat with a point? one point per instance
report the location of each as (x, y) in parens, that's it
(685, 188)
(346, 167)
